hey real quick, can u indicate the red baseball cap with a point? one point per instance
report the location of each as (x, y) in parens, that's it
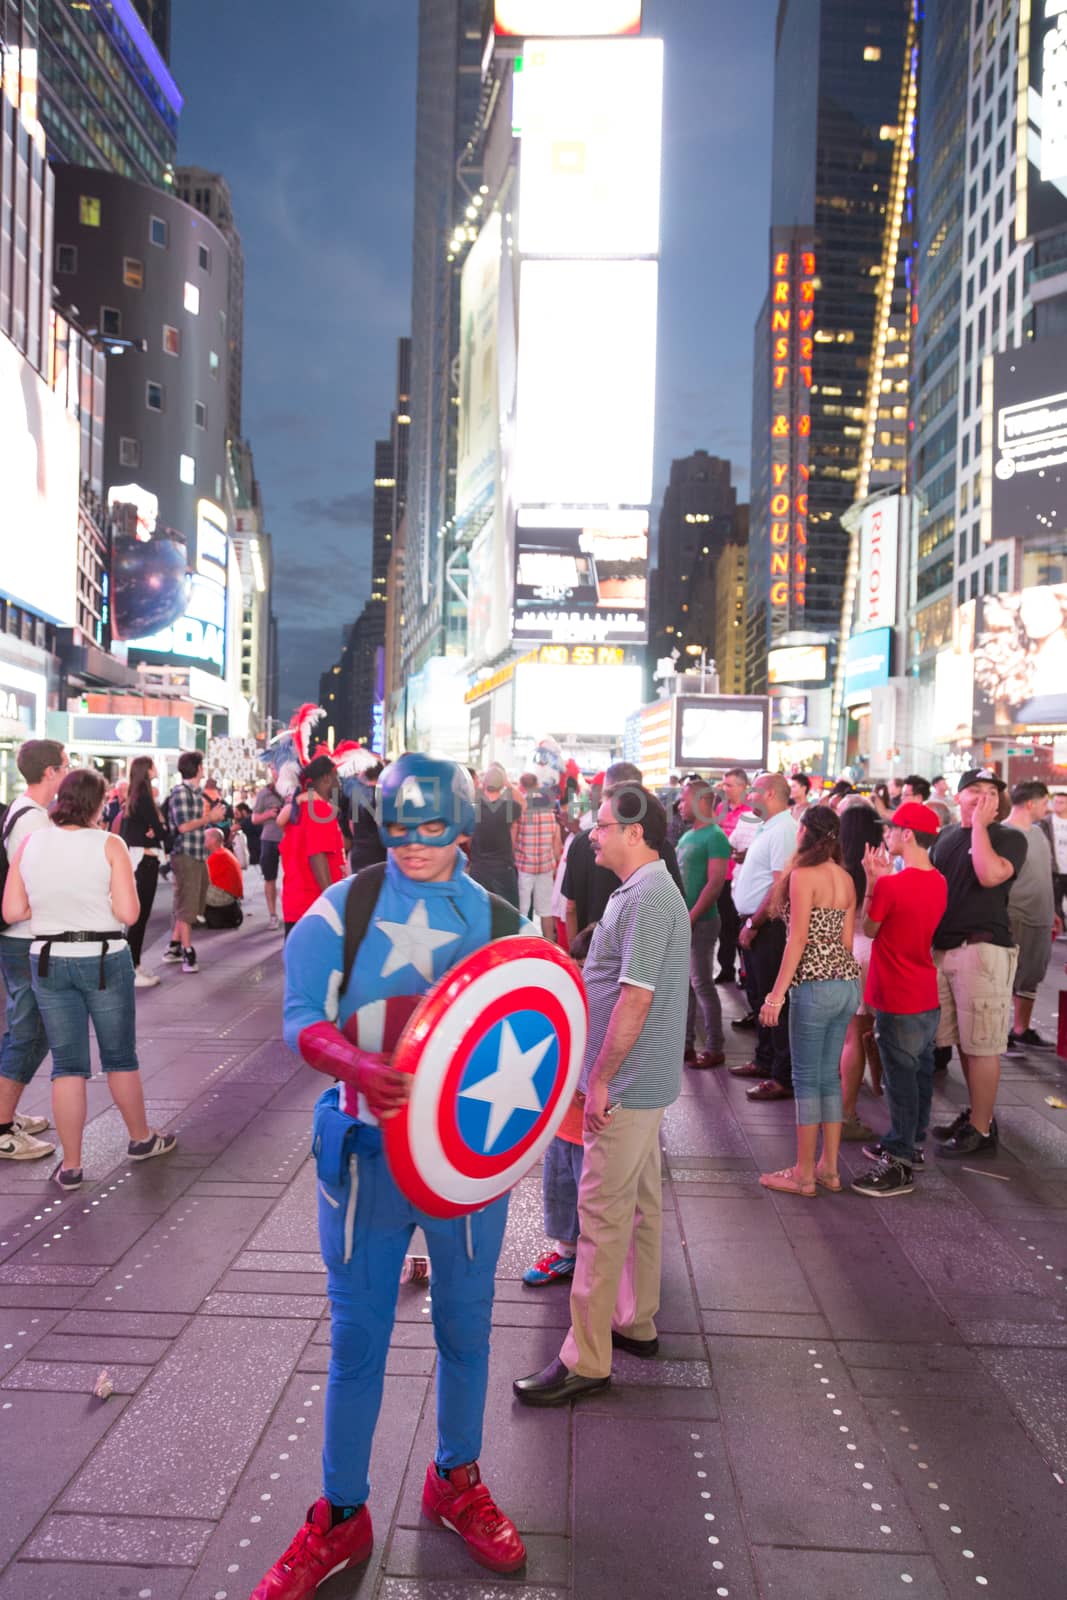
(917, 817)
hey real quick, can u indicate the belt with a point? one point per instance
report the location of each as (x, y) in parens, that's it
(82, 937)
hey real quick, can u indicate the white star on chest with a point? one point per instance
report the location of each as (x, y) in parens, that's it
(511, 1087)
(413, 943)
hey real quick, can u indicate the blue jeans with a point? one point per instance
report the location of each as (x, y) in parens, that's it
(906, 1046)
(25, 1044)
(70, 995)
(560, 1177)
(365, 1226)
(819, 1015)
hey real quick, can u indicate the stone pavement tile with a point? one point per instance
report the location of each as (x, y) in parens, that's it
(1040, 1239)
(22, 1218)
(181, 1258)
(993, 1196)
(20, 1332)
(28, 1272)
(524, 1237)
(300, 1093)
(1035, 1383)
(293, 1223)
(257, 1022)
(193, 1071)
(74, 1377)
(135, 1324)
(954, 1251)
(939, 1370)
(400, 1362)
(260, 1260)
(727, 1218)
(36, 1295)
(553, 1311)
(808, 1465)
(219, 1384)
(661, 1372)
(765, 1324)
(526, 1452)
(271, 1062)
(671, 1528)
(212, 1122)
(37, 1580)
(283, 1477)
(102, 1348)
(406, 1335)
(474, 1589)
(73, 1424)
(773, 1151)
(845, 1575)
(1041, 1145)
(101, 1238)
(628, 1400)
(152, 1186)
(702, 1125)
(279, 1283)
(431, 1554)
(678, 1311)
(272, 1146)
(867, 1289)
(988, 1504)
(263, 1305)
(221, 1189)
(134, 1541)
(733, 1276)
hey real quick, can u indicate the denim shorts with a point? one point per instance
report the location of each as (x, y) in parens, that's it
(70, 994)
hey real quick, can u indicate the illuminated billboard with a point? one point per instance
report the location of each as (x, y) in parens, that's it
(792, 347)
(586, 382)
(716, 732)
(1028, 488)
(574, 701)
(581, 578)
(1020, 661)
(566, 19)
(198, 637)
(40, 450)
(797, 663)
(868, 664)
(876, 590)
(478, 443)
(1041, 143)
(591, 127)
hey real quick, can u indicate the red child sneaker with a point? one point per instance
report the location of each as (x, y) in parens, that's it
(463, 1503)
(317, 1552)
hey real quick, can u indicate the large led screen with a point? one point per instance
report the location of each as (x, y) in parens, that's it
(478, 444)
(581, 579)
(714, 733)
(1042, 134)
(589, 163)
(797, 663)
(1020, 661)
(1029, 485)
(39, 449)
(558, 19)
(587, 382)
(574, 702)
(198, 637)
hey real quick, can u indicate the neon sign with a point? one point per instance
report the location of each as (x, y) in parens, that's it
(792, 354)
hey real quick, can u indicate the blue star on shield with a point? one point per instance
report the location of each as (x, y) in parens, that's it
(507, 1082)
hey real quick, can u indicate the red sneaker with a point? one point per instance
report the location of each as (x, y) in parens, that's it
(317, 1551)
(463, 1503)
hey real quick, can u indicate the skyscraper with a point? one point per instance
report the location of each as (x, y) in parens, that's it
(698, 519)
(839, 70)
(209, 193)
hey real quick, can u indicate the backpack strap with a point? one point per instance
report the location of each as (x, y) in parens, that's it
(10, 817)
(504, 920)
(360, 902)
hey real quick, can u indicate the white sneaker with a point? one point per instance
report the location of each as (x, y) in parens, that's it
(273, 924)
(143, 979)
(19, 1146)
(25, 1124)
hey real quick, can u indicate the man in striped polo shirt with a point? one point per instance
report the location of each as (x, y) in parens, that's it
(637, 981)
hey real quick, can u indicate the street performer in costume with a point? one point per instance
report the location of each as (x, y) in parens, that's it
(424, 915)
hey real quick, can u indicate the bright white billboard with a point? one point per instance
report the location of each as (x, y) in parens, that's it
(590, 115)
(581, 578)
(587, 382)
(478, 446)
(876, 594)
(574, 702)
(557, 18)
(39, 468)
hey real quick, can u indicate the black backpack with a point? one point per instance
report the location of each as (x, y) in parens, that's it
(362, 897)
(9, 815)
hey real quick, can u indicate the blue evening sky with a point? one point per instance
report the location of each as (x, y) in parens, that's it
(309, 111)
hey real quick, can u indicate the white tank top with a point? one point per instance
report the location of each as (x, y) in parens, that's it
(68, 882)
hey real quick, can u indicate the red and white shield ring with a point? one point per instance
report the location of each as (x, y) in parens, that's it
(495, 1050)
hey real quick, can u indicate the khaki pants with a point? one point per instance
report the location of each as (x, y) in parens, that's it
(620, 1208)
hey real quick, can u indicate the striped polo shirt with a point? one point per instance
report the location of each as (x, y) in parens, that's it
(642, 939)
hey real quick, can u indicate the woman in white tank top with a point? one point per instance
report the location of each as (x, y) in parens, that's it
(79, 894)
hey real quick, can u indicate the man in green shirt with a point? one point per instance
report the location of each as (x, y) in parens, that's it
(703, 857)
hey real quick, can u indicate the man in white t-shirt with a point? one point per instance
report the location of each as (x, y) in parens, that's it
(43, 763)
(1055, 826)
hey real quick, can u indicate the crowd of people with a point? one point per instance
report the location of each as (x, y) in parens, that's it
(867, 932)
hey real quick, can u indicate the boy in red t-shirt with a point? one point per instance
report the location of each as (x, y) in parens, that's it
(901, 912)
(313, 847)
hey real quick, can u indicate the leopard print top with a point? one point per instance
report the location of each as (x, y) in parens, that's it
(825, 957)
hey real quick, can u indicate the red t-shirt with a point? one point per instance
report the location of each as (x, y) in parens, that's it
(909, 905)
(224, 871)
(315, 832)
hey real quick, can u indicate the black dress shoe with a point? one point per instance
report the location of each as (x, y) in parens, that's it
(636, 1347)
(556, 1385)
(744, 1024)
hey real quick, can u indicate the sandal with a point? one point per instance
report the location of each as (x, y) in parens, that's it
(828, 1180)
(786, 1182)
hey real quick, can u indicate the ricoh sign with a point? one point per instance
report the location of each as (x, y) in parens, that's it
(879, 546)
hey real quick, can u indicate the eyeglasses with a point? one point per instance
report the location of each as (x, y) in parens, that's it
(602, 827)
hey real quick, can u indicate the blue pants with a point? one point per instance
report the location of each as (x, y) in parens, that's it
(25, 1044)
(365, 1227)
(70, 995)
(819, 1015)
(560, 1177)
(906, 1046)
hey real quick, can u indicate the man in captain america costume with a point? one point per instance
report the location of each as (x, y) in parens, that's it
(429, 915)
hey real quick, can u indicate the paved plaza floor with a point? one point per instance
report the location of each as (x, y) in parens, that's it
(855, 1399)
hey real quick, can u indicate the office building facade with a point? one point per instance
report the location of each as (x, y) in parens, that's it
(731, 574)
(698, 519)
(209, 193)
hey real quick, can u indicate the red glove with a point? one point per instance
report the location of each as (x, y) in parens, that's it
(326, 1049)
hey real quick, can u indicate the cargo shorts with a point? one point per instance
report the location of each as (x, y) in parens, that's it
(974, 985)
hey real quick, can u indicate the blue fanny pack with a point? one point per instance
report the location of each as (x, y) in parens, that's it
(333, 1137)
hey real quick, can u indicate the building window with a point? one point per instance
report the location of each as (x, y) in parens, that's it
(129, 452)
(987, 586)
(200, 414)
(213, 363)
(872, 52)
(203, 255)
(961, 592)
(187, 469)
(66, 258)
(976, 541)
(974, 586)
(218, 486)
(172, 340)
(1002, 155)
(963, 547)
(153, 396)
(998, 207)
(157, 232)
(192, 299)
(111, 322)
(132, 272)
(88, 211)
(1002, 573)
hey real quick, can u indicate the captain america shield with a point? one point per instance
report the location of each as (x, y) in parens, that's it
(495, 1050)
